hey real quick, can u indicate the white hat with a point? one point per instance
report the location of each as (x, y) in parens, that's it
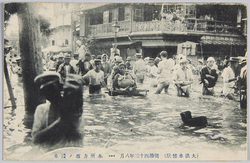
(210, 59)
(184, 60)
(200, 60)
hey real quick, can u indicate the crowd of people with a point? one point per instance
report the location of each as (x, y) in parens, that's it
(117, 74)
(61, 115)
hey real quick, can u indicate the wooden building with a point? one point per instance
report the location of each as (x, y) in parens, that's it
(217, 29)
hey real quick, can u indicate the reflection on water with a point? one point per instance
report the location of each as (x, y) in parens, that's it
(139, 123)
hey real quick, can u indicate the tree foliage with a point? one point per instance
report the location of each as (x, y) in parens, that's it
(12, 8)
(45, 26)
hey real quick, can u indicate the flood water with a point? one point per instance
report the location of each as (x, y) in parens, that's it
(121, 124)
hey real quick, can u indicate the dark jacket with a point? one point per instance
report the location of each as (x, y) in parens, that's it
(211, 81)
(82, 67)
(62, 70)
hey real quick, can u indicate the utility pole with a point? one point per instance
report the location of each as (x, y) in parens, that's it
(30, 50)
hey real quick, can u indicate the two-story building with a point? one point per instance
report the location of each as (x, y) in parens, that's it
(61, 36)
(216, 29)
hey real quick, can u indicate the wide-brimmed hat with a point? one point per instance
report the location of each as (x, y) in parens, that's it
(234, 59)
(122, 64)
(151, 60)
(76, 54)
(61, 55)
(200, 60)
(97, 61)
(87, 54)
(67, 56)
(104, 55)
(157, 59)
(99, 57)
(146, 59)
(118, 59)
(164, 53)
(128, 59)
(45, 78)
(243, 61)
(138, 55)
(183, 61)
(210, 59)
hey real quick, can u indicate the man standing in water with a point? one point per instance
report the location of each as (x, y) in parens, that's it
(164, 73)
(209, 77)
(183, 79)
(229, 79)
(105, 67)
(56, 123)
(139, 68)
(85, 65)
(66, 68)
(96, 78)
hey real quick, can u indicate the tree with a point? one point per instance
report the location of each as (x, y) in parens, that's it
(31, 55)
(30, 50)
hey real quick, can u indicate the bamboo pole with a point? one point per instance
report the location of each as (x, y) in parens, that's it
(7, 77)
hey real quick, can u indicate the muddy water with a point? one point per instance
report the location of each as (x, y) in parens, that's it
(152, 123)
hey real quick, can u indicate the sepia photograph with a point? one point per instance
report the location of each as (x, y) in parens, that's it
(135, 81)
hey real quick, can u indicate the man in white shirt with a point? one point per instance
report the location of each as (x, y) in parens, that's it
(183, 79)
(139, 68)
(228, 79)
(153, 72)
(74, 62)
(164, 73)
(96, 78)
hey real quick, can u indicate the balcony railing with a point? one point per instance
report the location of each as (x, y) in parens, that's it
(107, 29)
(210, 26)
(188, 25)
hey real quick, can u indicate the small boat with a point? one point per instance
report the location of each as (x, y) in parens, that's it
(195, 122)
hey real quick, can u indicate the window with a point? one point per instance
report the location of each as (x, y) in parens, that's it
(110, 16)
(105, 17)
(53, 42)
(66, 42)
(121, 14)
(96, 19)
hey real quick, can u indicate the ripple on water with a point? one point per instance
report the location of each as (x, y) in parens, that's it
(124, 122)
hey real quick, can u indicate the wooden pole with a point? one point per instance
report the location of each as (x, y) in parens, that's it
(30, 50)
(7, 77)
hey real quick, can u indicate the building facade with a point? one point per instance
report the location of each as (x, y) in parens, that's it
(216, 29)
(62, 26)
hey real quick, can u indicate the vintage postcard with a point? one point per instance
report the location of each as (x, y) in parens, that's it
(125, 81)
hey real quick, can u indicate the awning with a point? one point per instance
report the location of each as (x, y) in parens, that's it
(158, 43)
(125, 43)
(222, 40)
